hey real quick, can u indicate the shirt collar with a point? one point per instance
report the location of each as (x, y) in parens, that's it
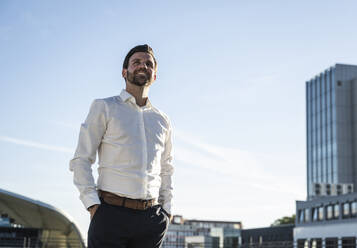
(126, 96)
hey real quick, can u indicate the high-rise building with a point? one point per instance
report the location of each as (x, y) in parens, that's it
(331, 106)
(329, 216)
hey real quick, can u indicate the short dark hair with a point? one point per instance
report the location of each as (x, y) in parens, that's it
(140, 48)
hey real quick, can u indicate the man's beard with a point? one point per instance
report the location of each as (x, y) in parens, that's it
(139, 79)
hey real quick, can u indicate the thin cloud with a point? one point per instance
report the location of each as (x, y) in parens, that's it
(246, 168)
(37, 145)
(223, 159)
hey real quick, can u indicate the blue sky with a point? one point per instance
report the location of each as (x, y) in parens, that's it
(231, 77)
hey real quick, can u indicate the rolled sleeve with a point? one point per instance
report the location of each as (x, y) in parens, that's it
(167, 169)
(90, 137)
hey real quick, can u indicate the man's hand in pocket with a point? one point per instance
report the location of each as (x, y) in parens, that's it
(92, 210)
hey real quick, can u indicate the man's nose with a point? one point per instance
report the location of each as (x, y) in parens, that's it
(143, 65)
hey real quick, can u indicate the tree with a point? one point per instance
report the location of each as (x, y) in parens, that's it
(284, 220)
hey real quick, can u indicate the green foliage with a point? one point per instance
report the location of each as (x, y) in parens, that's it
(285, 220)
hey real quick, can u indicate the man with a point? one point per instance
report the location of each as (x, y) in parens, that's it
(131, 205)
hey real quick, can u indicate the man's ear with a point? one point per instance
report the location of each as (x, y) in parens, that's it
(155, 76)
(124, 72)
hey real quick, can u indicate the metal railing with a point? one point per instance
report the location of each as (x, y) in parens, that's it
(313, 243)
(68, 243)
(281, 244)
(27, 242)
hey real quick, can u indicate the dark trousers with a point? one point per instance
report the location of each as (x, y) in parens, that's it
(121, 227)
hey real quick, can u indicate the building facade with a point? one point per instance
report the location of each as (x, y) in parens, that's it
(331, 106)
(329, 216)
(25, 222)
(202, 242)
(176, 234)
(274, 236)
(202, 233)
(327, 222)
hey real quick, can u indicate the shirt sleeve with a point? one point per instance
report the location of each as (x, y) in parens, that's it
(90, 137)
(167, 169)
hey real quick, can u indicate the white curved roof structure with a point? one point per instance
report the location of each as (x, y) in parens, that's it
(57, 227)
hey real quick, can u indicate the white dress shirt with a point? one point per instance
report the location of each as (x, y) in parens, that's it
(134, 149)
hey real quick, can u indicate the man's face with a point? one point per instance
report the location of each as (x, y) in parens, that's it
(141, 69)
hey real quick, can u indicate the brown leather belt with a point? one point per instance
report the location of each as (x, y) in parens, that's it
(116, 200)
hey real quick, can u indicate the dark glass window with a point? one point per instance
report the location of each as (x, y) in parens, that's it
(315, 214)
(335, 109)
(348, 242)
(313, 143)
(329, 212)
(334, 135)
(317, 168)
(354, 208)
(334, 177)
(333, 98)
(316, 243)
(309, 91)
(321, 213)
(328, 81)
(334, 147)
(346, 209)
(328, 105)
(323, 102)
(328, 189)
(313, 104)
(333, 78)
(336, 211)
(313, 154)
(328, 169)
(301, 216)
(334, 168)
(323, 125)
(329, 148)
(319, 152)
(331, 242)
(307, 215)
(302, 243)
(318, 110)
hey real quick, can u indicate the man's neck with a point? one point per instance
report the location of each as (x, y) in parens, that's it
(140, 93)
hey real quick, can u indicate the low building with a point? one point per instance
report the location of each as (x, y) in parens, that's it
(228, 236)
(30, 223)
(329, 221)
(275, 236)
(201, 233)
(214, 223)
(20, 237)
(201, 242)
(175, 236)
